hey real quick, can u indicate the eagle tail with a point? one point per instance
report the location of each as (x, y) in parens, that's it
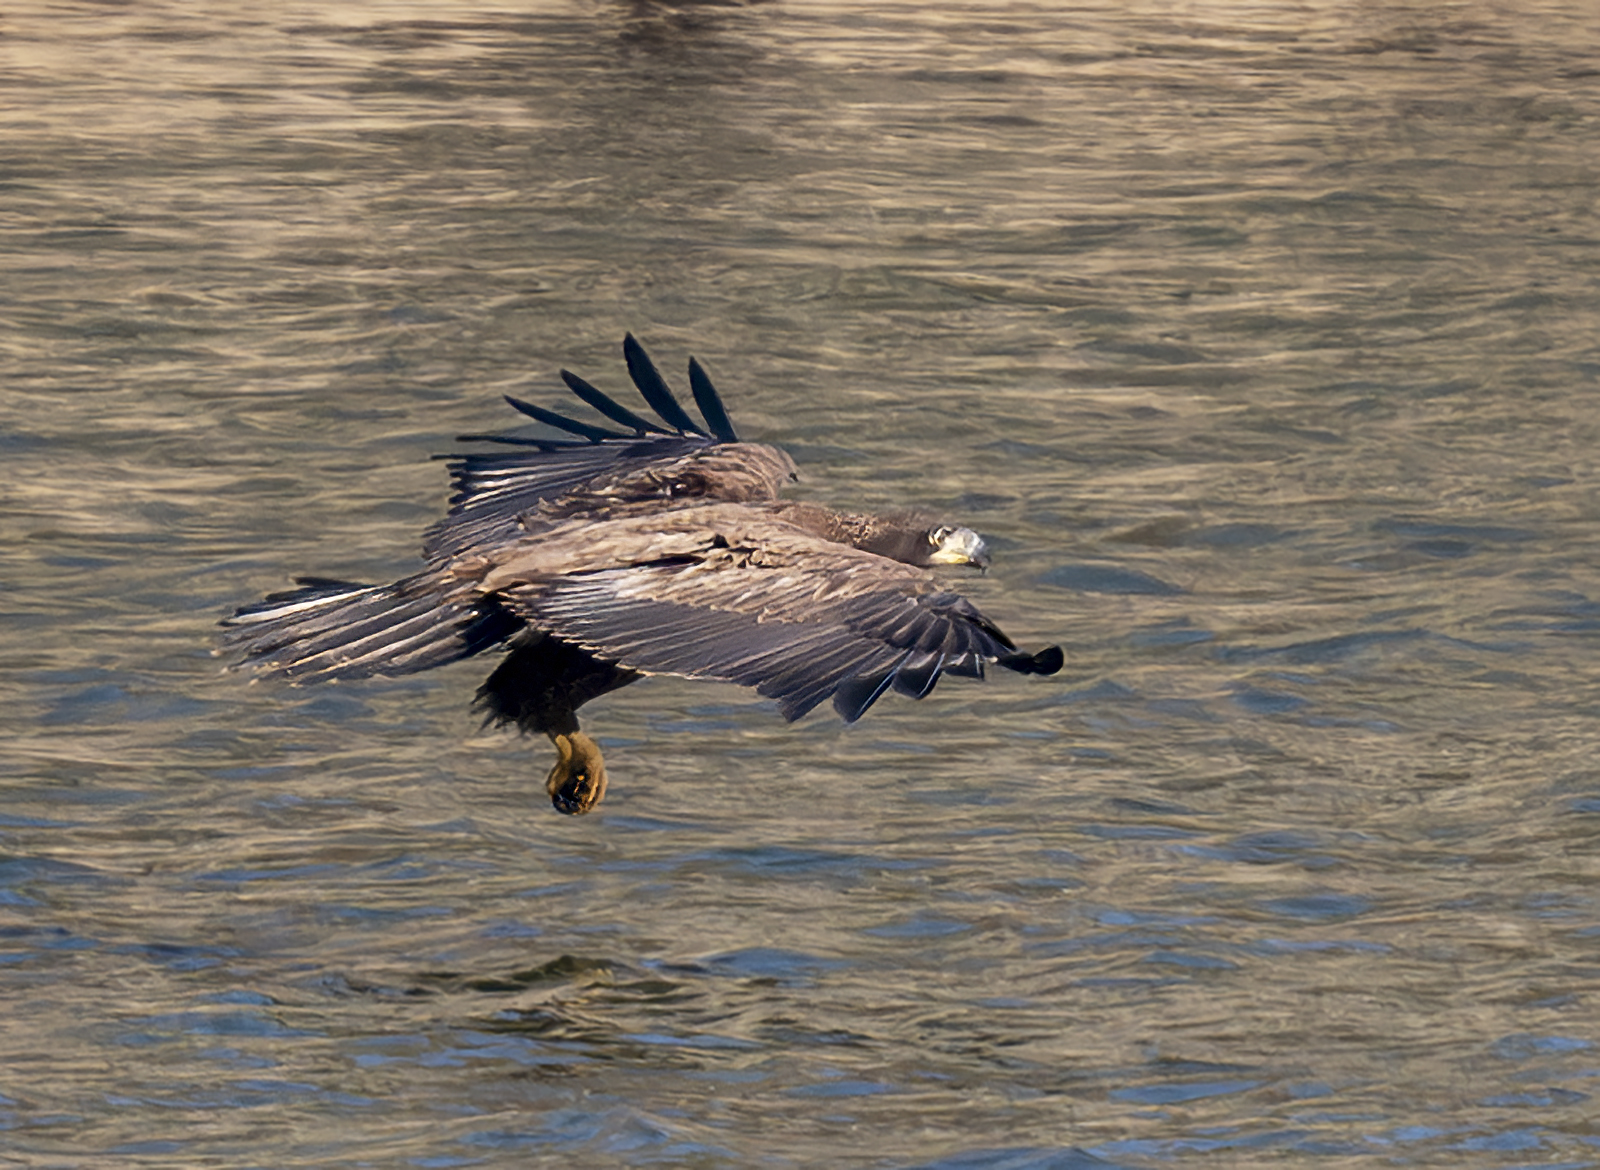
(330, 629)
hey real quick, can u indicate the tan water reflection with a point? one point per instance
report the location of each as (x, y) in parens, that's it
(1260, 343)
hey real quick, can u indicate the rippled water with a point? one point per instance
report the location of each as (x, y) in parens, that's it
(1260, 338)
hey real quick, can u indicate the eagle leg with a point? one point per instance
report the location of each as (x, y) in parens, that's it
(539, 686)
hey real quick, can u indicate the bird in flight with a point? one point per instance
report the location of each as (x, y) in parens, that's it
(661, 548)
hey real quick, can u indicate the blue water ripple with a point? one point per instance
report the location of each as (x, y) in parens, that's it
(1516, 1139)
(1092, 578)
(1538, 1100)
(1525, 1046)
(1190, 959)
(1175, 1093)
(843, 1088)
(1018, 1159)
(1323, 650)
(771, 963)
(1317, 907)
(1264, 702)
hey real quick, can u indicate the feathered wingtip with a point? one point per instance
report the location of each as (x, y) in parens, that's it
(710, 403)
(609, 407)
(656, 393)
(561, 422)
(913, 676)
(916, 674)
(1047, 661)
(654, 387)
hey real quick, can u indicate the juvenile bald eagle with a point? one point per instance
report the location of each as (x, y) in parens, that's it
(659, 549)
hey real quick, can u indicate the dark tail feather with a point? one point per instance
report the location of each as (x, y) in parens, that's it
(339, 629)
(654, 387)
(609, 406)
(710, 403)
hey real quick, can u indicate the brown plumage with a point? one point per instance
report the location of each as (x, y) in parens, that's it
(663, 549)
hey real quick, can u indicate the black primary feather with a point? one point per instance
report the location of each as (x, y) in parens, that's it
(855, 695)
(654, 387)
(516, 441)
(710, 403)
(1047, 661)
(918, 673)
(560, 421)
(609, 406)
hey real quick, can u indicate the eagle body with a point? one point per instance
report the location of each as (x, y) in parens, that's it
(664, 551)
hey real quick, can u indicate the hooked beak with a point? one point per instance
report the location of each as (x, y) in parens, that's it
(960, 546)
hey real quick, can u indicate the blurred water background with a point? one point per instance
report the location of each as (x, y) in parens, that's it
(1260, 338)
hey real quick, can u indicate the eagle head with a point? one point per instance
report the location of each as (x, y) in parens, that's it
(952, 545)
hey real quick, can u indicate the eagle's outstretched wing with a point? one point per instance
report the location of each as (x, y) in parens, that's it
(798, 618)
(659, 551)
(494, 490)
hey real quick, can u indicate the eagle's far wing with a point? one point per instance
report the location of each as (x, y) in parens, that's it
(492, 490)
(800, 623)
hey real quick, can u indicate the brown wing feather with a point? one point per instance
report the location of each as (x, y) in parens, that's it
(765, 605)
(503, 498)
(492, 491)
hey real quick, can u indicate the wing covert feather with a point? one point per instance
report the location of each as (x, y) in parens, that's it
(846, 624)
(492, 491)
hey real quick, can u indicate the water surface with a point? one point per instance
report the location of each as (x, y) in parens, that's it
(1260, 339)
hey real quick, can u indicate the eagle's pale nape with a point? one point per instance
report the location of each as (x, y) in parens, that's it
(662, 549)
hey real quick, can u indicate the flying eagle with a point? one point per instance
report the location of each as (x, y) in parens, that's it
(663, 548)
